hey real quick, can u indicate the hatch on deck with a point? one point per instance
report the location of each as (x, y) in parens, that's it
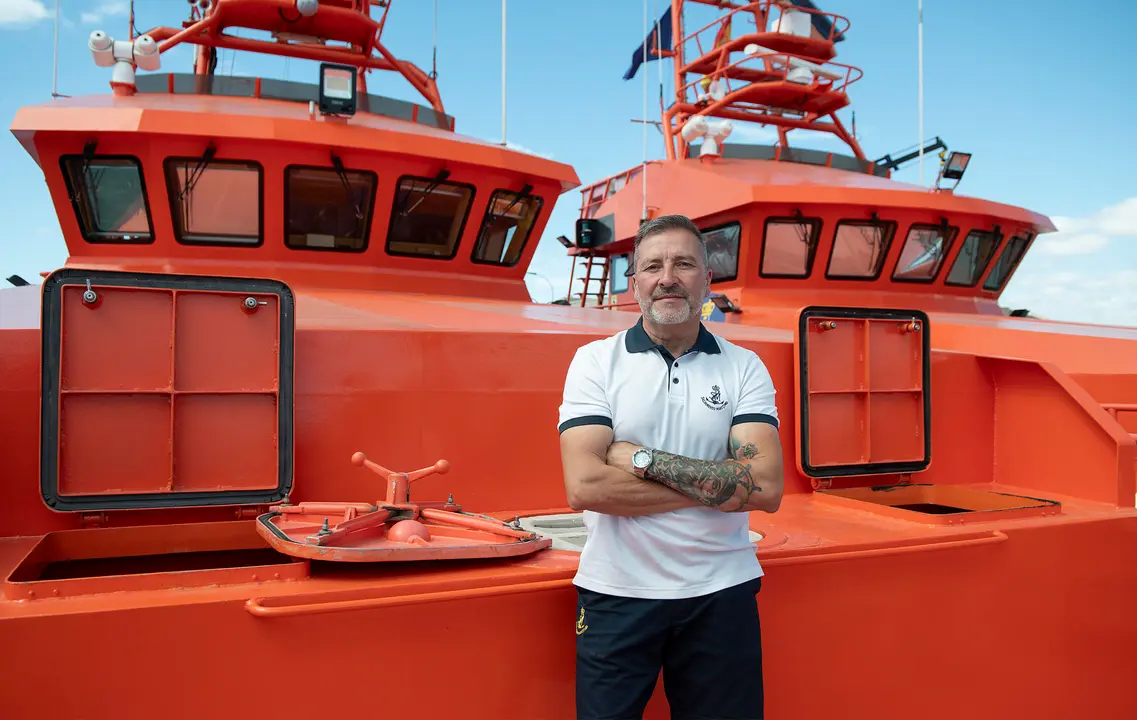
(863, 389)
(165, 391)
(863, 392)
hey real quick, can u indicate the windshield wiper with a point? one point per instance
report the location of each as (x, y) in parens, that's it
(338, 165)
(494, 217)
(434, 183)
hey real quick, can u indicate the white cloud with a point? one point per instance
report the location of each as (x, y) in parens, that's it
(1083, 236)
(522, 148)
(1096, 298)
(22, 12)
(111, 9)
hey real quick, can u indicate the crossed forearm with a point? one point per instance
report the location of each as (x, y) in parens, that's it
(727, 485)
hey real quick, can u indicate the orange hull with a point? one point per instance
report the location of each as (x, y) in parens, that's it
(958, 534)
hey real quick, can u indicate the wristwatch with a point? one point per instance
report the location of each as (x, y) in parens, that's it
(641, 461)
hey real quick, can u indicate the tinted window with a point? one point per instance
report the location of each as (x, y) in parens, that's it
(618, 277)
(859, 249)
(788, 247)
(327, 211)
(973, 258)
(505, 227)
(428, 217)
(1007, 262)
(216, 202)
(109, 198)
(923, 253)
(722, 245)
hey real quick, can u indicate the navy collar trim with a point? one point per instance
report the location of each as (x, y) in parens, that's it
(636, 340)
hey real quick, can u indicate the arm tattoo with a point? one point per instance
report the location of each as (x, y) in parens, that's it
(714, 484)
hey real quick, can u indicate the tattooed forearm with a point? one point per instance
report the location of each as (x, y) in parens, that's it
(727, 485)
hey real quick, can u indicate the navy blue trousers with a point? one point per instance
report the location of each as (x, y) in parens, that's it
(709, 649)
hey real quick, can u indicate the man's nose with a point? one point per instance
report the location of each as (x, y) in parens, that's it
(668, 277)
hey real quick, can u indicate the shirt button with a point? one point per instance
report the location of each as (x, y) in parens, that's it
(675, 380)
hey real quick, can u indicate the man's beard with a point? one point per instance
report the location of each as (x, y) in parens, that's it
(669, 315)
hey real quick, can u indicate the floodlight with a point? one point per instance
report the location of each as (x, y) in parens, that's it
(724, 304)
(337, 89)
(565, 241)
(955, 165)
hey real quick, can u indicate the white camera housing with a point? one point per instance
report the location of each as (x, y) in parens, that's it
(713, 134)
(124, 56)
(307, 8)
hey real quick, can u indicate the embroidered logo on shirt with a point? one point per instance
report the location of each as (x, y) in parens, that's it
(715, 401)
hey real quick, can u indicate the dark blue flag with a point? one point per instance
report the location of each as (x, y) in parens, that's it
(658, 39)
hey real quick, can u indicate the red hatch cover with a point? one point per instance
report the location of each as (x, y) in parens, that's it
(863, 391)
(165, 391)
(394, 529)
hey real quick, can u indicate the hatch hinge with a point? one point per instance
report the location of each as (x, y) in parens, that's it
(822, 483)
(94, 519)
(249, 512)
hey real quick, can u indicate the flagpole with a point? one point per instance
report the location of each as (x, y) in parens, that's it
(644, 172)
(503, 72)
(920, 81)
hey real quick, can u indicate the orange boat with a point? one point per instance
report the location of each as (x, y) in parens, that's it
(282, 298)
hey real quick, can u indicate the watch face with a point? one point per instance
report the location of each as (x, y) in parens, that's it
(641, 458)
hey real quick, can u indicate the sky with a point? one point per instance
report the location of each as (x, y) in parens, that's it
(1035, 91)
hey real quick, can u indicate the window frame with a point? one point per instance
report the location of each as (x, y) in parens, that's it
(1028, 238)
(100, 238)
(811, 257)
(528, 234)
(998, 235)
(737, 249)
(370, 213)
(949, 242)
(461, 227)
(890, 226)
(169, 173)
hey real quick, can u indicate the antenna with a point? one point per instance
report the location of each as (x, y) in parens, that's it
(503, 72)
(643, 217)
(55, 55)
(920, 81)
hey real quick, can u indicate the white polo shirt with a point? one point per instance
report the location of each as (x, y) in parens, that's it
(685, 406)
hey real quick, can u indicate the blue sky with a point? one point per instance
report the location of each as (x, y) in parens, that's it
(1036, 90)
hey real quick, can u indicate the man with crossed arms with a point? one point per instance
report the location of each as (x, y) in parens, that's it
(669, 437)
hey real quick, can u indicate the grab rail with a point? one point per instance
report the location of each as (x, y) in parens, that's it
(256, 606)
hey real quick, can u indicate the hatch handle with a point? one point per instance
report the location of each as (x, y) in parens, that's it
(993, 538)
(258, 608)
(398, 484)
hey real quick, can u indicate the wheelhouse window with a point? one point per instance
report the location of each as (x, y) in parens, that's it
(328, 208)
(109, 197)
(216, 202)
(722, 246)
(1007, 262)
(506, 227)
(923, 253)
(859, 249)
(789, 246)
(428, 217)
(973, 258)
(618, 280)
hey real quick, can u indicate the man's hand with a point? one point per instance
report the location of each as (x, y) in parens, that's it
(750, 480)
(620, 456)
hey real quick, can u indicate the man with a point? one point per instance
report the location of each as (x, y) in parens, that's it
(669, 436)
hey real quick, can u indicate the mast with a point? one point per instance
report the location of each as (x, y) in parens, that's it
(768, 62)
(330, 31)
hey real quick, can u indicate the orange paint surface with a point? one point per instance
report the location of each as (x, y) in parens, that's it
(985, 566)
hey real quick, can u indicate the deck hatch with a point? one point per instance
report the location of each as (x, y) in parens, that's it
(862, 389)
(165, 391)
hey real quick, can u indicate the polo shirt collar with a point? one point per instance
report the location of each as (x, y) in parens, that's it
(636, 340)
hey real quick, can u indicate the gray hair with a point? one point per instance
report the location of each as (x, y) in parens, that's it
(662, 224)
